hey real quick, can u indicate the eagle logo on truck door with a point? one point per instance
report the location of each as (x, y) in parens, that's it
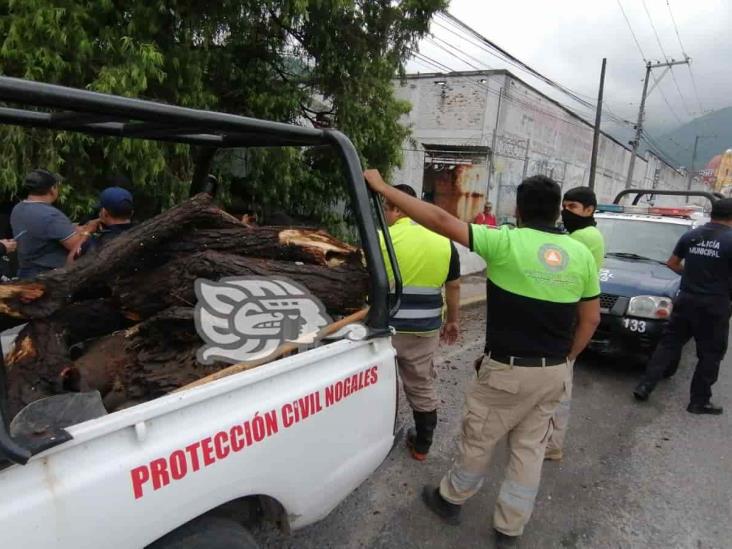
(247, 318)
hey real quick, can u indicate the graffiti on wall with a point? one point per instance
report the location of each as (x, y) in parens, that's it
(556, 169)
(511, 147)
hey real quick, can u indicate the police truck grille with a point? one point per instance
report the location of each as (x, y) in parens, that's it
(607, 301)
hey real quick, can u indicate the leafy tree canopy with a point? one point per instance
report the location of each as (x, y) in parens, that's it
(299, 61)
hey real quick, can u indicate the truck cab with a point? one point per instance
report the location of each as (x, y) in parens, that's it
(638, 289)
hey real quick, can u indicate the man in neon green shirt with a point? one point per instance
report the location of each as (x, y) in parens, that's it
(542, 308)
(578, 211)
(578, 216)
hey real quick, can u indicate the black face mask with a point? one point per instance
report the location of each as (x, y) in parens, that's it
(573, 222)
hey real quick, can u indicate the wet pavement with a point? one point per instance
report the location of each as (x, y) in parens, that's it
(645, 475)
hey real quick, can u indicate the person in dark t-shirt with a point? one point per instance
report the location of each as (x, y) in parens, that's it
(703, 257)
(116, 207)
(45, 237)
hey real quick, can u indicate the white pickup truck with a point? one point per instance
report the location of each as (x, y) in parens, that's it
(286, 441)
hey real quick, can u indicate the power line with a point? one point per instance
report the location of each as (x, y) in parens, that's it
(645, 60)
(665, 99)
(676, 28)
(657, 149)
(683, 51)
(658, 38)
(471, 36)
(515, 61)
(643, 55)
(434, 39)
(665, 57)
(485, 88)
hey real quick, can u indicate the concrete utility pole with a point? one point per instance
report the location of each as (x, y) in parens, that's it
(491, 164)
(596, 134)
(693, 160)
(641, 113)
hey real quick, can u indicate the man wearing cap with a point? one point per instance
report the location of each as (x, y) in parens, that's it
(486, 217)
(115, 217)
(578, 217)
(45, 237)
(703, 257)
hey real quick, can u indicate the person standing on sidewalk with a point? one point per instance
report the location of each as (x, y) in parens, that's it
(427, 262)
(703, 257)
(544, 288)
(578, 217)
(486, 217)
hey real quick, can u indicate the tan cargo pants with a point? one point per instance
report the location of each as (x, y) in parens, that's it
(514, 401)
(417, 369)
(555, 445)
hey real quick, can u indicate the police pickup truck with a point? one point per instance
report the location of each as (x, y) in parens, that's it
(638, 288)
(285, 441)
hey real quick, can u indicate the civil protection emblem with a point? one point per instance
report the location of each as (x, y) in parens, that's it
(553, 257)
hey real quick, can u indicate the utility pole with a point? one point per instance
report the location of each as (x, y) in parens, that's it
(641, 110)
(491, 164)
(693, 161)
(596, 135)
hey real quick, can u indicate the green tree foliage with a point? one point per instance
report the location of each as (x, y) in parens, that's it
(299, 61)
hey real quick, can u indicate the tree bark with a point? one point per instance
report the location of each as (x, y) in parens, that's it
(341, 289)
(285, 243)
(47, 294)
(35, 367)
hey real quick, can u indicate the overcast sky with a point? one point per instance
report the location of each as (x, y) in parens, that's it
(567, 39)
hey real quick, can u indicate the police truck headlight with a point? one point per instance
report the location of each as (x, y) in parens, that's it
(650, 306)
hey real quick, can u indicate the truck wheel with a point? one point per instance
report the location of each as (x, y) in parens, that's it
(207, 533)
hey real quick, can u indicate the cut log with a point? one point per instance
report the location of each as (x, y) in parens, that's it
(284, 243)
(341, 289)
(165, 348)
(51, 291)
(148, 275)
(42, 349)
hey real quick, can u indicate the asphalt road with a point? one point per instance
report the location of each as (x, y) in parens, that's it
(634, 474)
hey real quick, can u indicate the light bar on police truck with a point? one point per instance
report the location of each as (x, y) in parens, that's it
(686, 212)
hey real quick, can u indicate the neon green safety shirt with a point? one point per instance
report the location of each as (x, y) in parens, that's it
(536, 277)
(426, 261)
(592, 238)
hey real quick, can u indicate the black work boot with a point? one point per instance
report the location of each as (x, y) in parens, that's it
(504, 540)
(643, 390)
(707, 408)
(419, 438)
(449, 512)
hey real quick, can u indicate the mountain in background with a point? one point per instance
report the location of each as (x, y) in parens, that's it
(678, 145)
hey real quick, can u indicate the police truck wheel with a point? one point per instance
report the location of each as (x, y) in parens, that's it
(208, 533)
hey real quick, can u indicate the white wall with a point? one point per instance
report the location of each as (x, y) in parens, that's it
(533, 135)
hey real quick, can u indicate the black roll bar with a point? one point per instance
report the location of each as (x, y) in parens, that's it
(712, 197)
(54, 107)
